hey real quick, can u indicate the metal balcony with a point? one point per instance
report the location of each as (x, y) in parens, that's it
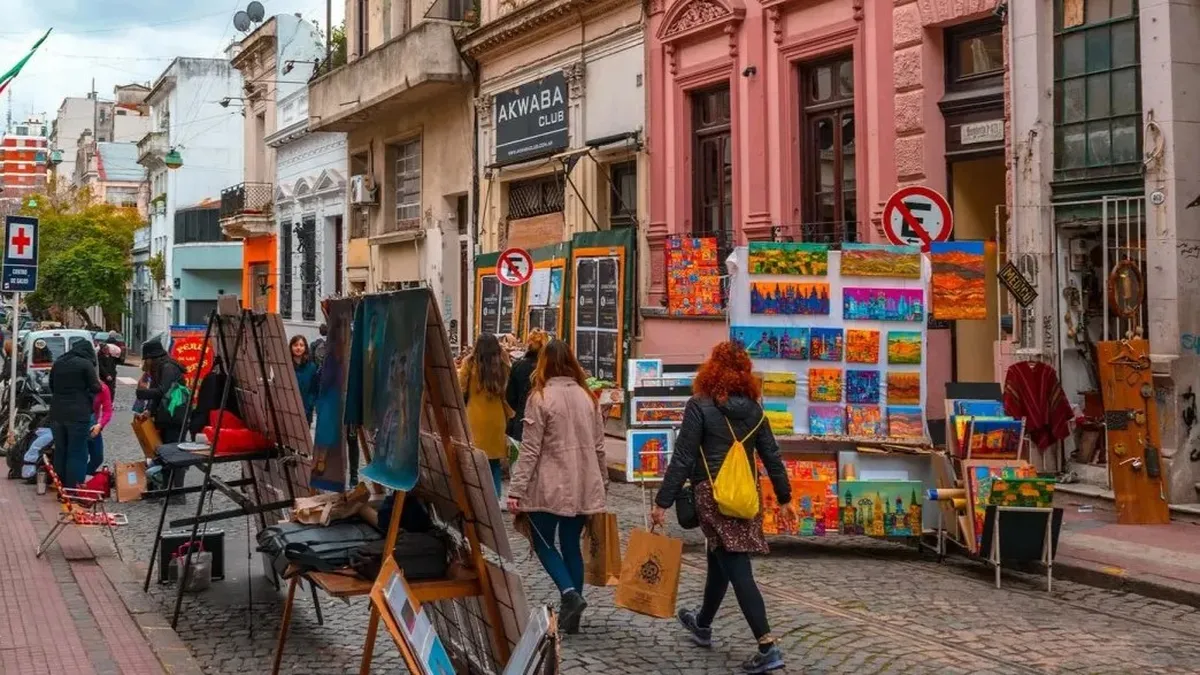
(246, 209)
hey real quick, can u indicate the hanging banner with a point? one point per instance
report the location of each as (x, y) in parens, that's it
(186, 344)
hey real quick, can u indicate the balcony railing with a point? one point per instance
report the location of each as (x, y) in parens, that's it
(252, 199)
(141, 238)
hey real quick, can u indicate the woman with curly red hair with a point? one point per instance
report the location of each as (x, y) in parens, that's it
(723, 409)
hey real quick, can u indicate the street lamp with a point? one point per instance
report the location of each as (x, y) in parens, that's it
(173, 159)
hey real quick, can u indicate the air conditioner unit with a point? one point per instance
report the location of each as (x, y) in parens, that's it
(360, 194)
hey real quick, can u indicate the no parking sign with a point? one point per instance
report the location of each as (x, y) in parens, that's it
(917, 215)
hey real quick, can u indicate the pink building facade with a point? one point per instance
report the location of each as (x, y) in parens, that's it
(798, 118)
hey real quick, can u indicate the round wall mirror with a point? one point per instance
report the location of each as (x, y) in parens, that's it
(1126, 289)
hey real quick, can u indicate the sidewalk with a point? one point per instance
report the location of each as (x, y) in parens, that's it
(73, 611)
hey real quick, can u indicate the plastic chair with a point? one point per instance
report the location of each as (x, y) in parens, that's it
(82, 508)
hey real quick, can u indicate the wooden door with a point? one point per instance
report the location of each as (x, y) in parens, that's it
(1131, 420)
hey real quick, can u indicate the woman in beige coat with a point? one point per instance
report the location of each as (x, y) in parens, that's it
(560, 476)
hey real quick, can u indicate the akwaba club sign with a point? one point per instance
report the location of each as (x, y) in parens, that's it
(531, 120)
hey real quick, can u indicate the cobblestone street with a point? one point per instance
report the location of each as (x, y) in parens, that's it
(839, 605)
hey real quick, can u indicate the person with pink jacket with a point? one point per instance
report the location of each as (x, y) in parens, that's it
(101, 416)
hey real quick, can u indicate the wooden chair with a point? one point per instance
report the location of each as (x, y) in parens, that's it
(82, 508)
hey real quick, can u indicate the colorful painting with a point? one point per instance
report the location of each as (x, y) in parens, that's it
(958, 288)
(960, 424)
(812, 499)
(883, 304)
(904, 347)
(881, 508)
(862, 386)
(979, 481)
(663, 411)
(864, 421)
(793, 344)
(873, 260)
(995, 438)
(770, 297)
(770, 257)
(693, 277)
(823, 470)
(329, 439)
(772, 342)
(825, 385)
(779, 384)
(641, 370)
(389, 349)
(781, 421)
(862, 346)
(826, 420)
(1030, 493)
(903, 388)
(905, 422)
(647, 453)
(979, 408)
(826, 344)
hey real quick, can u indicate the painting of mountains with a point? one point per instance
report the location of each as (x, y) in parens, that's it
(875, 260)
(959, 286)
(770, 257)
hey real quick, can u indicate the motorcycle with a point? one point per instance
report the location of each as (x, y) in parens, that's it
(33, 407)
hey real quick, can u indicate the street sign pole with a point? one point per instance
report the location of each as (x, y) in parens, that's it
(18, 275)
(13, 355)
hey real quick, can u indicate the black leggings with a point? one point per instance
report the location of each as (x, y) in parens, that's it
(725, 568)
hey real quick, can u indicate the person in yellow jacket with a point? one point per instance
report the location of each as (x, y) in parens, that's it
(483, 378)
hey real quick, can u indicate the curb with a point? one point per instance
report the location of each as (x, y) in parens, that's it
(1151, 586)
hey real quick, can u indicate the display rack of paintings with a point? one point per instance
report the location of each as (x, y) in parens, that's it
(980, 478)
(979, 429)
(647, 453)
(958, 287)
(850, 328)
(693, 277)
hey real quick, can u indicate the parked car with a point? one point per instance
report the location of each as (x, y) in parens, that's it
(103, 337)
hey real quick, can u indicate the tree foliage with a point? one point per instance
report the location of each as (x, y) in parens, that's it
(84, 256)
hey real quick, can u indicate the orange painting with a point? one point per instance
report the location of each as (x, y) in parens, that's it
(862, 346)
(958, 286)
(903, 388)
(825, 385)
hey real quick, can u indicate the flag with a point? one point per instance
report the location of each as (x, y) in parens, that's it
(8, 77)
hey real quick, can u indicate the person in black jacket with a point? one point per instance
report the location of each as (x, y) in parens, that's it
(73, 386)
(164, 373)
(520, 381)
(106, 362)
(724, 408)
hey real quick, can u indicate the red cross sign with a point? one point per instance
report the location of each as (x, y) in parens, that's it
(20, 245)
(20, 271)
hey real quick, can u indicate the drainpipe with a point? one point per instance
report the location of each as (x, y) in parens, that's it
(473, 230)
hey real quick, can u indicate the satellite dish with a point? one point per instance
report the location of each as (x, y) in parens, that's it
(241, 21)
(255, 11)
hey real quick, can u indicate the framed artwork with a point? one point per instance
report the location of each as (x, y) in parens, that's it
(958, 287)
(826, 344)
(961, 425)
(864, 421)
(978, 476)
(826, 420)
(994, 438)
(883, 304)
(876, 260)
(1037, 493)
(771, 257)
(781, 385)
(825, 385)
(905, 422)
(641, 370)
(881, 508)
(904, 347)
(903, 388)
(790, 298)
(862, 346)
(862, 386)
(647, 453)
(659, 411)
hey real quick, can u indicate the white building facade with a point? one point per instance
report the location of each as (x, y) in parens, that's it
(186, 117)
(310, 215)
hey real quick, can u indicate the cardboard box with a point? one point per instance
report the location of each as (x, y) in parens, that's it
(131, 481)
(147, 436)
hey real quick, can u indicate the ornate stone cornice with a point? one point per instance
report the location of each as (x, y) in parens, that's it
(689, 17)
(529, 19)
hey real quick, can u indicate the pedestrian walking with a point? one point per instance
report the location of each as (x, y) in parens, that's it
(520, 380)
(102, 411)
(306, 374)
(560, 476)
(74, 385)
(722, 412)
(318, 346)
(106, 363)
(483, 378)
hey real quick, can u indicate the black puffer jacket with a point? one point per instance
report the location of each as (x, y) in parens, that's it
(706, 425)
(520, 383)
(74, 384)
(165, 373)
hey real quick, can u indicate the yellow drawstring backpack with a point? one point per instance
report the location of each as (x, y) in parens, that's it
(736, 487)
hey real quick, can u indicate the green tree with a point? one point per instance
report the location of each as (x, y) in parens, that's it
(84, 256)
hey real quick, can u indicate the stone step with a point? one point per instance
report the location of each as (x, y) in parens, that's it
(1084, 494)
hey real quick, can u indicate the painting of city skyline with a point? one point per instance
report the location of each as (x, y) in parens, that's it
(904, 347)
(883, 304)
(814, 505)
(862, 346)
(790, 298)
(903, 388)
(864, 421)
(648, 453)
(825, 385)
(876, 260)
(881, 508)
(826, 344)
(826, 420)
(772, 342)
(771, 257)
(862, 386)
(958, 287)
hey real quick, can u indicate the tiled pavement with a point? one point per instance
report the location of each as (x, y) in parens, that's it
(838, 605)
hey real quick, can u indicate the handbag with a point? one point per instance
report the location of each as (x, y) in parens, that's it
(685, 508)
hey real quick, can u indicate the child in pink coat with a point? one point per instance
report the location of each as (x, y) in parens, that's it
(101, 415)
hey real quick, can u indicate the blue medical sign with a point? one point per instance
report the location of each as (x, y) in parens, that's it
(20, 254)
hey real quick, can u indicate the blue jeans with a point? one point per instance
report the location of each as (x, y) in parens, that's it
(71, 451)
(497, 476)
(95, 453)
(565, 563)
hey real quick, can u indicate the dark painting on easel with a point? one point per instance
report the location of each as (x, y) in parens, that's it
(389, 333)
(329, 454)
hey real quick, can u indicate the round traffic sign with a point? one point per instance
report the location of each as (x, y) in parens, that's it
(917, 215)
(514, 266)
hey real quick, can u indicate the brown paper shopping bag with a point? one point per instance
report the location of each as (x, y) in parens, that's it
(602, 551)
(147, 436)
(131, 480)
(650, 574)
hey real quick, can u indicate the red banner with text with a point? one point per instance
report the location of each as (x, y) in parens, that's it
(186, 344)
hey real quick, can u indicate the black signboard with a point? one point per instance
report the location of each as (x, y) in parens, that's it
(1017, 284)
(585, 351)
(585, 293)
(606, 356)
(610, 299)
(531, 120)
(508, 310)
(489, 304)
